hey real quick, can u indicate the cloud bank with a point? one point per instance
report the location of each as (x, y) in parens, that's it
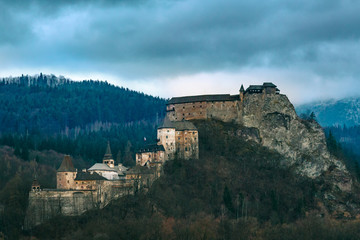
(174, 47)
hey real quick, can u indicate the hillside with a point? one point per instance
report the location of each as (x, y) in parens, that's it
(334, 112)
(48, 104)
(236, 189)
(46, 112)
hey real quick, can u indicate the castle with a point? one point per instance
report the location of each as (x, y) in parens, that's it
(224, 107)
(177, 137)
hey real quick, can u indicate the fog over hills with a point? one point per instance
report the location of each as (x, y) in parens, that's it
(334, 112)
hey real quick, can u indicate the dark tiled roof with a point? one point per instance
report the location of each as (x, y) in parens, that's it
(269, 84)
(178, 125)
(200, 98)
(86, 176)
(255, 87)
(66, 165)
(140, 170)
(151, 148)
(242, 88)
(35, 183)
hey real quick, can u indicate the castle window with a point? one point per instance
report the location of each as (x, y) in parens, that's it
(185, 148)
(183, 107)
(67, 181)
(185, 138)
(65, 173)
(167, 137)
(183, 114)
(189, 113)
(193, 106)
(178, 138)
(200, 105)
(200, 112)
(167, 130)
(174, 114)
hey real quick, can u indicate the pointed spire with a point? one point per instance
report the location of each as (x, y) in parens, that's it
(108, 154)
(242, 88)
(67, 165)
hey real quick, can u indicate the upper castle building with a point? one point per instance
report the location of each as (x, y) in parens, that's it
(224, 107)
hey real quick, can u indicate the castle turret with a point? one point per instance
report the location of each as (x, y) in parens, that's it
(108, 157)
(242, 91)
(35, 186)
(66, 174)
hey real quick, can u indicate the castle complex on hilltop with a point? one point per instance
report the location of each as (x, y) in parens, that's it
(177, 137)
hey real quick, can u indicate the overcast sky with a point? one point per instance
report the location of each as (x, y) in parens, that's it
(309, 49)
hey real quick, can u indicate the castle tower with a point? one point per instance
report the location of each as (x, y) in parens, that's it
(35, 186)
(166, 137)
(66, 174)
(108, 157)
(242, 91)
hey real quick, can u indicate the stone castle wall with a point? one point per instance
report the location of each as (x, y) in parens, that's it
(166, 137)
(49, 203)
(187, 144)
(65, 180)
(222, 110)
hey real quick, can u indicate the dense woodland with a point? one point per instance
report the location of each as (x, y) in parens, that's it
(235, 190)
(45, 112)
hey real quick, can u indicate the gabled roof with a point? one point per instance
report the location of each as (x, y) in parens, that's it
(66, 165)
(255, 87)
(151, 148)
(121, 168)
(178, 125)
(201, 98)
(101, 167)
(269, 84)
(86, 176)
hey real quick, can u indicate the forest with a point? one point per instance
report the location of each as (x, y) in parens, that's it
(237, 189)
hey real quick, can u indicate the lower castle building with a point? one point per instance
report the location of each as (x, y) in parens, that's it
(80, 191)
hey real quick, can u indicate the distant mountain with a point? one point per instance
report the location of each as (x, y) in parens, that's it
(334, 112)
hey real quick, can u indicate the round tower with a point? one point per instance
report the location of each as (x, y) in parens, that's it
(66, 174)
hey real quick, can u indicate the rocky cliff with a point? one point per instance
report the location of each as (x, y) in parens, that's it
(303, 144)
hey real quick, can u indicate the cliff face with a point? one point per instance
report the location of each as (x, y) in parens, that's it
(301, 142)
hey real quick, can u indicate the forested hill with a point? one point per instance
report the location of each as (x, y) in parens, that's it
(51, 104)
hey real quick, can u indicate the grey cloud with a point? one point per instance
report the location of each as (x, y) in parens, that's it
(139, 39)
